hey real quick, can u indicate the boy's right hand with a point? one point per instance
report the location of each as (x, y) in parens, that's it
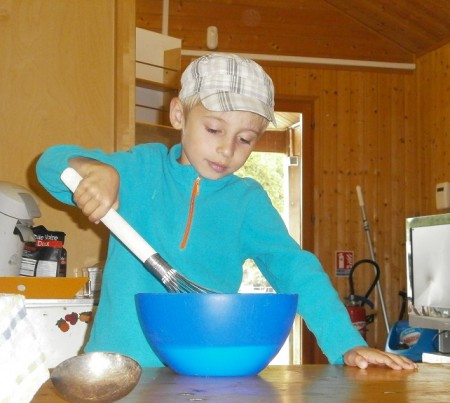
(98, 190)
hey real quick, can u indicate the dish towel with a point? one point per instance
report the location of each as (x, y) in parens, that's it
(22, 368)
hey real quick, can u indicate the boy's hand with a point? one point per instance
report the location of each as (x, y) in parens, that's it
(98, 191)
(362, 357)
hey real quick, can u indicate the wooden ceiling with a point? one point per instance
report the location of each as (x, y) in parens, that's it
(417, 26)
(384, 31)
(392, 31)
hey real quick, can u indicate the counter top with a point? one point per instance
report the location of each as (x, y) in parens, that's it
(286, 384)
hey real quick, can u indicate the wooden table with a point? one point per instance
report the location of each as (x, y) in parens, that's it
(286, 384)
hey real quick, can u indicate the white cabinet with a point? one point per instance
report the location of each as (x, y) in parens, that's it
(62, 326)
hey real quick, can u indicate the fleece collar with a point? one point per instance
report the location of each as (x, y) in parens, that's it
(186, 175)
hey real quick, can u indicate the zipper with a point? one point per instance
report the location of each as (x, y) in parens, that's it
(194, 194)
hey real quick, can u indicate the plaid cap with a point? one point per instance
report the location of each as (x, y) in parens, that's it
(226, 82)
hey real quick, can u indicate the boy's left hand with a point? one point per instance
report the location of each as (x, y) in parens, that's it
(362, 357)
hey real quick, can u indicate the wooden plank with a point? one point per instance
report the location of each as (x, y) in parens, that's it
(412, 174)
(382, 198)
(346, 153)
(415, 24)
(152, 133)
(125, 46)
(395, 237)
(273, 141)
(277, 383)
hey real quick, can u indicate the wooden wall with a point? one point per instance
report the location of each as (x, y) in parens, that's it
(51, 94)
(384, 130)
(389, 133)
(433, 100)
(289, 27)
(365, 134)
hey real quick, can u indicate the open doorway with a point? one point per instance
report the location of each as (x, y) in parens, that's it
(270, 170)
(297, 149)
(301, 211)
(276, 165)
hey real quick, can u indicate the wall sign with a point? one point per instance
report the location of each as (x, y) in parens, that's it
(343, 262)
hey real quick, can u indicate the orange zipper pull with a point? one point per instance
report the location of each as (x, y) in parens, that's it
(194, 194)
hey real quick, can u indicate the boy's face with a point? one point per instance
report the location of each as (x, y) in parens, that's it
(216, 143)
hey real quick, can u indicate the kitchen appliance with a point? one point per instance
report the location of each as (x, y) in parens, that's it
(427, 263)
(17, 210)
(428, 280)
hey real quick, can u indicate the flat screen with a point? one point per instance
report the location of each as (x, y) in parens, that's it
(431, 264)
(428, 270)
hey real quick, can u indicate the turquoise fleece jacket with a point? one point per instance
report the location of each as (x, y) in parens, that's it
(233, 220)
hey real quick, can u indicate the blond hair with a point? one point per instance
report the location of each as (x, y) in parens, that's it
(194, 100)
(190, 102)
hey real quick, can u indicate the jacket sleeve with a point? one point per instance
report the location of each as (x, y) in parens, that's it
(129, 164)
(289, 269)
(51, 164)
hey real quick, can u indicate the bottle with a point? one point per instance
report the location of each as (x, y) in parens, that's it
(62, 272)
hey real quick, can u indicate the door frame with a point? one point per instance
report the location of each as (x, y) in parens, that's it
(310, 353)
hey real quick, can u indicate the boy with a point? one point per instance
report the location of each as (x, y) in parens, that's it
(201, 218)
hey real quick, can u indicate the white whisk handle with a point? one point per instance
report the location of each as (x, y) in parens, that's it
(115, 222)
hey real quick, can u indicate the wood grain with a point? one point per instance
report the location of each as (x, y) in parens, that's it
(304, 383)
(363, 30)
(57, 86)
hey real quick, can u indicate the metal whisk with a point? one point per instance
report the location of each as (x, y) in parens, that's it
(171, 279)
(168, 276)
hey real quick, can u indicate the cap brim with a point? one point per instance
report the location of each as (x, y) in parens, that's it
(227, 101)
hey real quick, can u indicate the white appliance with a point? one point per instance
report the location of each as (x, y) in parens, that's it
(62, 326)
(17, 210)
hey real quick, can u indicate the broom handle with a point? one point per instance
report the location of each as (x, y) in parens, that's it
(372, 253)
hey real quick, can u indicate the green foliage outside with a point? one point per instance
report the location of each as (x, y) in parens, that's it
(267, 169)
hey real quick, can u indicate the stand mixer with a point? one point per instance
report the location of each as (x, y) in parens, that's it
(17, 210)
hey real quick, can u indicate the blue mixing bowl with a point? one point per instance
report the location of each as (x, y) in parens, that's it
(216, 334)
